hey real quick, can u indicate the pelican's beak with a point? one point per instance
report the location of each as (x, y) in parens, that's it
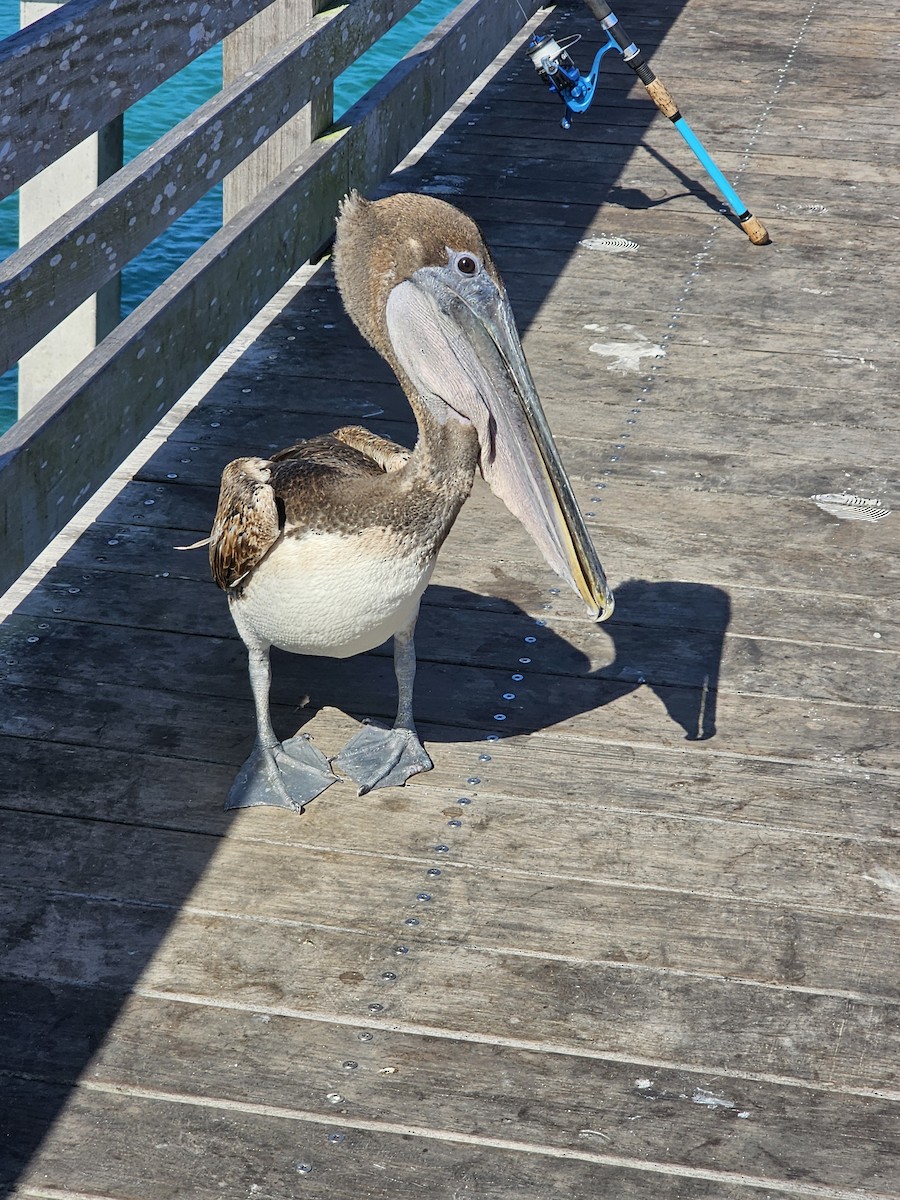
(456, 339)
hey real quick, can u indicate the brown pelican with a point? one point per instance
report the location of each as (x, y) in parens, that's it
(326, 547)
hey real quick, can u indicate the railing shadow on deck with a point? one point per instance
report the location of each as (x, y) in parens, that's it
(52, 1027)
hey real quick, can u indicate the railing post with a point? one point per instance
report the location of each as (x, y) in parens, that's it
(41, 201)
(240, 51)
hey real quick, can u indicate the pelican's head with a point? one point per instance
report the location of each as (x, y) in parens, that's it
(418, 280)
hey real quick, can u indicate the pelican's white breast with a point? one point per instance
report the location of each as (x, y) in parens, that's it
(333, 594)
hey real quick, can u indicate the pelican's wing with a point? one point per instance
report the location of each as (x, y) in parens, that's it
(247, 522)
(390, 456)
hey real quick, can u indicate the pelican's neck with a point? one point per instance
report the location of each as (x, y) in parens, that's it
(442, 465)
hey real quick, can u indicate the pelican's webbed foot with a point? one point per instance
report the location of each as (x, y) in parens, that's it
(378, 757)
(287, 775)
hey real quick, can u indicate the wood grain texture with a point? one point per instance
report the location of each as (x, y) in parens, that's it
(671, 1118)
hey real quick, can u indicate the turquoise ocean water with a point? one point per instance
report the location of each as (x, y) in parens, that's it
(170, 103)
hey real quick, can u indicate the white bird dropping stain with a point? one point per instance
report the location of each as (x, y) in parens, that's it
(708, 1100)
(626, 356)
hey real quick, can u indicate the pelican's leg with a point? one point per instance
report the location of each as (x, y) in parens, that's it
(378, 757)
(286, 775)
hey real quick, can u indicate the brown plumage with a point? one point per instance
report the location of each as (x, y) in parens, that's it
(309, 485)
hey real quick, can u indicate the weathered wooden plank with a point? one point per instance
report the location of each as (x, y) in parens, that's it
(687, 438)
(135, 594)
(716, 107)
(624, 118)
(736, 471)
(327, 1157)
(676, 437)
(241, 51)
(629, 212)
(770, 463)
(194, 725)
(613, 887)
(810, 284)
(313, 362)
(125, 214)
(683, 190)
(800, 613)
(465, 1088)
(656, 654)
(135, 786)
(809, 541)
(653, 1017)
(45, 471)
(54, 69)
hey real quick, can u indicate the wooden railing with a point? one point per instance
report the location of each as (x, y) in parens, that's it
(69, 75)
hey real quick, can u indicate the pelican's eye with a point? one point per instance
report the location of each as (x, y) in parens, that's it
(465, 264)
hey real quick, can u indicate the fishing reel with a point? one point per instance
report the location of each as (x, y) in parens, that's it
(554, 65)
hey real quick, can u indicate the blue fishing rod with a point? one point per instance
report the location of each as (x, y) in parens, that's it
(554, 65)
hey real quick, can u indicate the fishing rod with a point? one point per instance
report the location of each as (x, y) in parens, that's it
(553, 63)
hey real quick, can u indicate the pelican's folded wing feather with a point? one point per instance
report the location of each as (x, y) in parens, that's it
(248, 521)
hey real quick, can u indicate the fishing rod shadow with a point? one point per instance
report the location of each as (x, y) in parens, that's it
(692, 187)
(634, 198)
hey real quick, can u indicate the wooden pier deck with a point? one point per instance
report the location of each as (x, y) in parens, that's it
(637, 933)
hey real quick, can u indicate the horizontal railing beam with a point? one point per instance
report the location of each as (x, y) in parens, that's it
(48, 278)
(78, 68)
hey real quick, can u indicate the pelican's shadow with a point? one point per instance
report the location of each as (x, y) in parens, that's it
(486, 666)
